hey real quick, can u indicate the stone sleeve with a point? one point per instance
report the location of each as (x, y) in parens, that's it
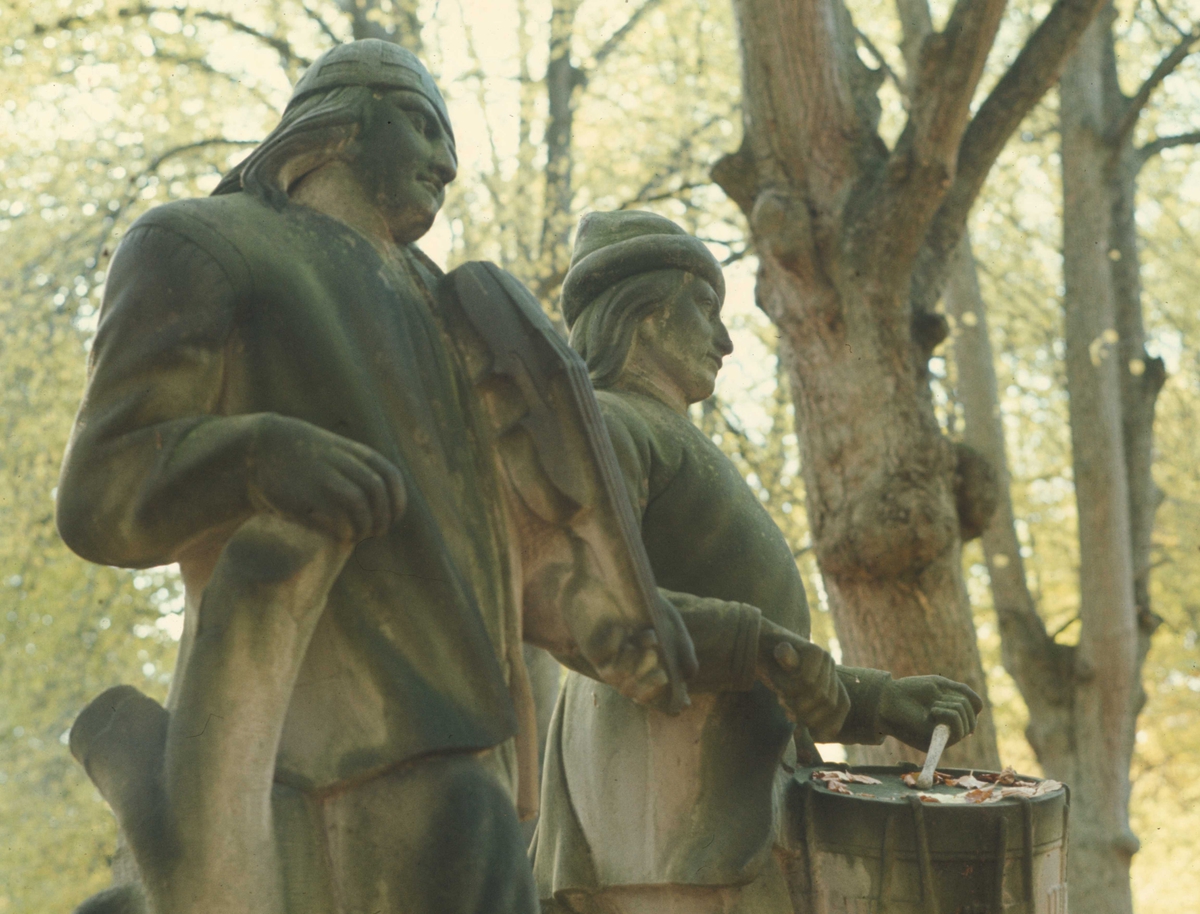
(865, 688)
(151, 464)
(725, 635)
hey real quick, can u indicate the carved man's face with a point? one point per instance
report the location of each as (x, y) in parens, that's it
(406, 161)
(685, 341)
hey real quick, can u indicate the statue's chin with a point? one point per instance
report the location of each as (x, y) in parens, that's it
(409, 226)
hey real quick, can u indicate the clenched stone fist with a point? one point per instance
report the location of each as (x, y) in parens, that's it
(910, 708)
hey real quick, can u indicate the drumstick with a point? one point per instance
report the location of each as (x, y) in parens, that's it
(937, 745)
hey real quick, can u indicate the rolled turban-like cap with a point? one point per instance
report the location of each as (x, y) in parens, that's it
(374, 63)
(610, 247)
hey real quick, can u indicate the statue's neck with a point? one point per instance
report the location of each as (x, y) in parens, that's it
(333, 190)
(653, 385)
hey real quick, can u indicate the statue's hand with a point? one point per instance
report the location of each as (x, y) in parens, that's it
(321, 480)
(804, 679)
(910, 708)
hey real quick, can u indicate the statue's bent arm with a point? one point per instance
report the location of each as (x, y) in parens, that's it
(150, 465)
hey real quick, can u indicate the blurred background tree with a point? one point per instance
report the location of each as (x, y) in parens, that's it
(562, 106)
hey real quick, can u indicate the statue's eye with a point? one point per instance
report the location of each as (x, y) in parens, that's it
(423, 123)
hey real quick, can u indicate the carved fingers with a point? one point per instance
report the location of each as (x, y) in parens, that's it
(804, 679)
(324, 481)
(911, 707)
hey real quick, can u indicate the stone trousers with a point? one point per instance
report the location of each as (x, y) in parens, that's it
(436, 836)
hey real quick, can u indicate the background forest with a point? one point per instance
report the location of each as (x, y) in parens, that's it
(564, 106)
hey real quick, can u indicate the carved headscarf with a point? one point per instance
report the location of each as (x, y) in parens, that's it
(327, 109)
(625, 266)
(610, 247)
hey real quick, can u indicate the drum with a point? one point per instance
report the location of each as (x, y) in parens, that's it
(862, 841)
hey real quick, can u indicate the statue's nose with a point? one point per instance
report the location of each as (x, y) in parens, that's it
(444, 161)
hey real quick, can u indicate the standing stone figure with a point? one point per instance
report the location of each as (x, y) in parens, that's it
(277, 400)
(643, 813)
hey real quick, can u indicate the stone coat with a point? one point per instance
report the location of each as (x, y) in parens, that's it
(222, 307)
(631, 796)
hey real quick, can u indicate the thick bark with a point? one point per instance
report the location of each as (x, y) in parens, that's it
(837, 220)
(840, 223)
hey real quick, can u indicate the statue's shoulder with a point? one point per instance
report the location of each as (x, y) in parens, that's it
(224, 228)
(623, 410)
(228, 215)
(644, 418)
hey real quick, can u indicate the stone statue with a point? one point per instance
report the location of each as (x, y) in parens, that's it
(643, 813)
(377, 481)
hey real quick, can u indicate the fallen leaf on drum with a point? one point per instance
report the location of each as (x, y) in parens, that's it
(969, 781)
(981, 794)
(831, 777)
(1005, 778)
(939, 777)
(1027, 789)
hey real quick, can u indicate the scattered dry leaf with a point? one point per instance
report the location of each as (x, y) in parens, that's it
(844, 776)
(967, 781)
(981, 794)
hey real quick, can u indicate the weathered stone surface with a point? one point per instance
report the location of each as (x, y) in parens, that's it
(280, 399)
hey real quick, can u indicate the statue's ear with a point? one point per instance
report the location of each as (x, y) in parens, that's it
(337, 142)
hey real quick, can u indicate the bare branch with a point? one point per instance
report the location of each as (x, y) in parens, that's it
(151, 167)
(154, 164)
(281, 46)
(883, 64)
(1137, 103)
(1035, 70)
(1154, 147)
(1166, 17)
(205, 67)
(614, 40)
(324, 26)
(922, 165)
(645, 197)
(916, 24)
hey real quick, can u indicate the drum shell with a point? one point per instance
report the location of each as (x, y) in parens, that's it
(854, 855)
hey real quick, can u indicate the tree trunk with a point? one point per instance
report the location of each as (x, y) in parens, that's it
(1084, 700)
(558, 216)
(833, 216)
(1093, 754)
(849, 235)
(1040, 667)
(400, 24)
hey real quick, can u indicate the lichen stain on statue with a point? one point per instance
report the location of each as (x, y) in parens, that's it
(286, 397)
